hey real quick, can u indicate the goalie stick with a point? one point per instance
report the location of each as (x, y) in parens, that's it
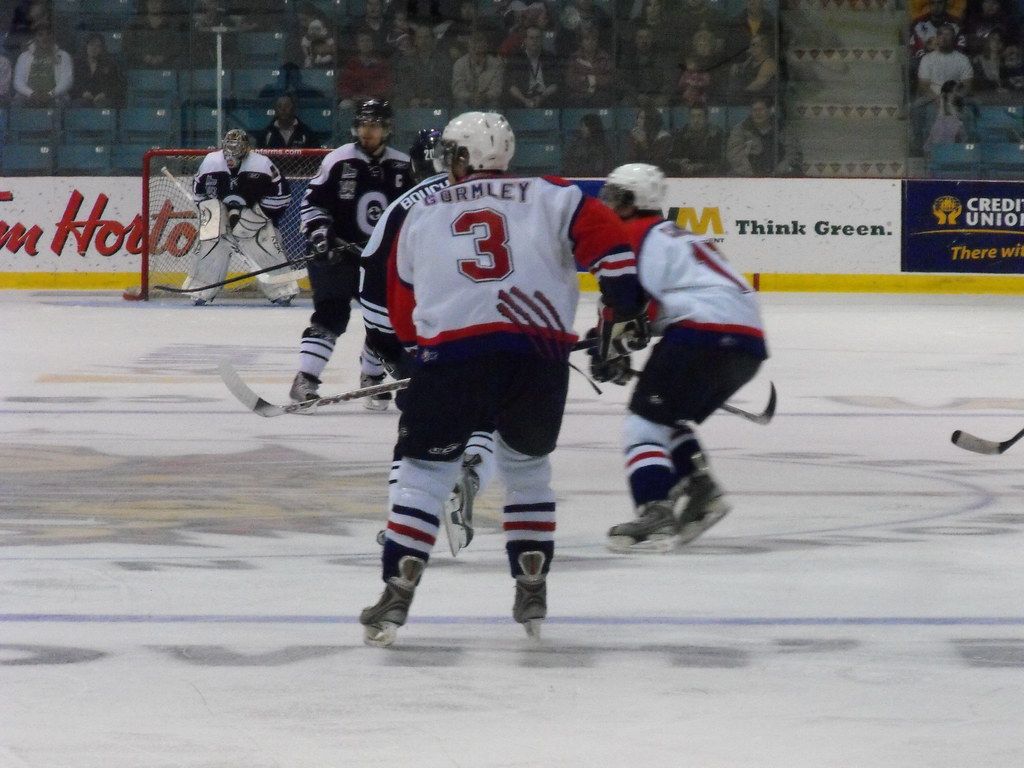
(969, 442)
(247, 397)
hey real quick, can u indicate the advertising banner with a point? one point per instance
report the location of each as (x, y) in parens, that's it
(963, 226)
(816, 226)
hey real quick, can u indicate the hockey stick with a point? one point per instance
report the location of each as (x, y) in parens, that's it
(247, 397)
(284, 277)
(969, 442)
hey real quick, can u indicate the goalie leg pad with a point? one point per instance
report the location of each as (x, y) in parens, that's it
(213, 220)
(264, 250)
(250, 222)
(210, 266)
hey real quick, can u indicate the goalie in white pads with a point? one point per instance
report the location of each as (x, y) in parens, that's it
(712, 344)
(241, 196)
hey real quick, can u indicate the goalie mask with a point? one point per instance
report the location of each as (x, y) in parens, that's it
(484, 140)
(635, 184)
(423, 153)
(235, 146)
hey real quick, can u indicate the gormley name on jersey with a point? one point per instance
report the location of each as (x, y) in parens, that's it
(514, 191)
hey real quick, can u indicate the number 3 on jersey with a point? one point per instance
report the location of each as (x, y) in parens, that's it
(489, 231)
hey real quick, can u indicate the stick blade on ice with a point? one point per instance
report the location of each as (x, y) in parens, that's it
(245, 395)
(969, 442)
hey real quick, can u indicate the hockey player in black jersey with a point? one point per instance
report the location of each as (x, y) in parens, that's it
(342, 204)
(241, 197)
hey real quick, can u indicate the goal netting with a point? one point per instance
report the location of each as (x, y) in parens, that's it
(171, 240)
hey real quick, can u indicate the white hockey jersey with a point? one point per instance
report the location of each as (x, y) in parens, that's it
(256, 181)
(698, 297)
(491, 263)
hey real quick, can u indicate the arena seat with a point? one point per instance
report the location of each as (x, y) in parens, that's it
(955, 161)
(26, 160)
(83, 159)
(90, 125)
(1002, 160)
(151, 87)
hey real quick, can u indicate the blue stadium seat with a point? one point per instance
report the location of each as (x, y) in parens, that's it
(104, 14)
(320, 119)
(262, 49)
(537, 157)
(126, 159)
(1000, 124)
(955, 161)
(156, 126)
(736, 115)
(84, 125)
(32, 124)
(535, 123)
(1002, 161)
(253, 119)
(320, 81)
(83, 159)
(201, 85)
(3, 126)
(27, 160)
(151, 87)
(202, 125)
(248, 83)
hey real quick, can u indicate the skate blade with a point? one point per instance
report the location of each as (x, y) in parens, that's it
(657, 544)
(691, 531)
(375, 405)
(532, 627)
(380, 635)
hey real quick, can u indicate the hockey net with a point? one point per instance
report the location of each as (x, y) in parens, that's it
(171, 238)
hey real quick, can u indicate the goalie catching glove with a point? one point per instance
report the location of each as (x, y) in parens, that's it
(326, 254)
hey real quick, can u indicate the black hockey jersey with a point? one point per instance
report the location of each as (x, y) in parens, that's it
(256, 181)
(351, 191)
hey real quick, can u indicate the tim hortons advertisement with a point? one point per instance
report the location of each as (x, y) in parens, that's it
(71, 225)
(964, 226)
(813, 226)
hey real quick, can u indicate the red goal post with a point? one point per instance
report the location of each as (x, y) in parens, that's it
(171, 235)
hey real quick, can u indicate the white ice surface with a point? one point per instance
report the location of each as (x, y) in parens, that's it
(180, 579)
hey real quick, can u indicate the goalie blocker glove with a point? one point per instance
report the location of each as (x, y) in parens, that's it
(324, 253)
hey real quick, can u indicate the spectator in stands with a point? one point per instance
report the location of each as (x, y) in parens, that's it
(648, 141)
(423, 76)
(754, 19)
(6, 73)
(399, 37)
(532, 76)
(579, 15)
(988, 65)
(589, 78)
(643, 72)
(286, 130)
(25, 16)
(942, 64)
(155, 39)
(666, 26)
(364, 74)
(424, 10)
(924, 30)
(756, 76)
(319, 50)
(757, 147)
(98, 78)
(207, 17)
(457, 33)
(374, 24)
(477, 77)
(985, 19)
(587, 154)
(521, 17)
(697, 149)
(1012, 72)
(43, 73)
(948, 127)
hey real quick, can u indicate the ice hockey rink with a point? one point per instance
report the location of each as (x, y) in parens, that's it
(180, 578)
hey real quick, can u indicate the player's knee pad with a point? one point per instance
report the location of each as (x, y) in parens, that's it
(527, 478)
(425, 485)
(636, 429)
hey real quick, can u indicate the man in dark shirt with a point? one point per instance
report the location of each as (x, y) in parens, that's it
(286, 130)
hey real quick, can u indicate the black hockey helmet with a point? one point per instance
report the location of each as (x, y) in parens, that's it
(422, 153)
(374, 111)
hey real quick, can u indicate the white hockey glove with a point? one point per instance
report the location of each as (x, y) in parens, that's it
(327, 250)
(234, 205)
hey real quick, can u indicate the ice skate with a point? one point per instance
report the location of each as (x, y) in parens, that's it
(458, 510)
(531, 603)
(378, 402)
(381, 621)
(702, 506)
(304, 388)
(653, 530)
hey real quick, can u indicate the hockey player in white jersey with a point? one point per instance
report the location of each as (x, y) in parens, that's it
(478, 464)
(712, 344)
(241, 196)
(484, 287)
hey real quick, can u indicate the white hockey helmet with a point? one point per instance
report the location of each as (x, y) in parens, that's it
(484, 139)
(637, 184)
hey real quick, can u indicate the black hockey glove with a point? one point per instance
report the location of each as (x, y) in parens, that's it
(616, 370)
(327, 250)
(619, 335)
